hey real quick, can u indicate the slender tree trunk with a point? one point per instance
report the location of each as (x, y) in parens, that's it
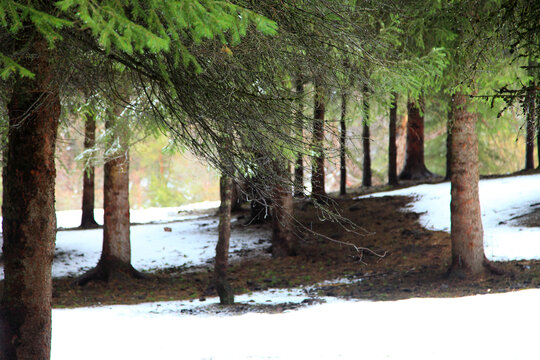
(87, 220)
(415, 169)
(236, 198)
(467, 234)
(317, 176)
(449, 130)
(343, 146)
(366, 173)
(29, 220)
(224, 289)
(299, 167)
(530, 104)
(115, 261)
(318, 173)
(282, 227)
(392, 148)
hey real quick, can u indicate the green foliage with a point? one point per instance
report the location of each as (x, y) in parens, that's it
(133, 26)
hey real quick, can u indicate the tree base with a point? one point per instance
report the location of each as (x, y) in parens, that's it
(108, 271)
(225, 292)
(89, 224)
(416, 174)
(457, 271)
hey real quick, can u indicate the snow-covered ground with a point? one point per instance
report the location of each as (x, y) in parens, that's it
(501, 200)
(191, 240)
(496, 326)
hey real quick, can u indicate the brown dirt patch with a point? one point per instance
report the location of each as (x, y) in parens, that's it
(414, 264)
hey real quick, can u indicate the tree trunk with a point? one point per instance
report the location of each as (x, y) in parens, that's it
(415, 169)
(449, 129)
(392, 148)
(343, 146)
(317, 176)
(537, 112)
(29, 220)
(299, 167)
(237, 198)
(224, 289)
(467, 235)
(115, 261)
(282, 215)
(366, 172)
(530, 107)
(87, 220)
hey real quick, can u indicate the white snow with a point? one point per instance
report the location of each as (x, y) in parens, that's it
(72, 218)
(495, 326)
(191, 241)
(500, 200)
(498, 326)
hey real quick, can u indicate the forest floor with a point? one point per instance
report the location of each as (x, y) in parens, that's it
(393, 257)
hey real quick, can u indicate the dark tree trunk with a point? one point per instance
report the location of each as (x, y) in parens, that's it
(87, 220)
(530, 106)
(282, 227)
(414, 168)
(449, 126)
(236, 198)
(366, 172)
(392, 148)
(299, 166)
(115, 261)
(29, 220)
(317, 176)
(343, 146)
(224, 289)
(467, 234)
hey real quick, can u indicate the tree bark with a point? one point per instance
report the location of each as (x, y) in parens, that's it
(366, 172)
(343, 146)
(414, 168)
(115, 261)
(29, 220)
(467, 234)
(317, 176)
(392, 148)
(299, 166)
(449, 129)
(537, 112)
(530, 104)
(224, 289)
(87, 220)
(282, 228)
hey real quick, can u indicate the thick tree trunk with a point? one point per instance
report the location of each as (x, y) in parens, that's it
(392, 148)
(87, 220)
(317, 176)
(537, 112)
(299, 166)
(467, 234)
(415, 169)
(449, 126)
(282, 227)
(530, 103)
(224, 289)
(29, 220)
(115, 261)
(366, 171)
(343, 146)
